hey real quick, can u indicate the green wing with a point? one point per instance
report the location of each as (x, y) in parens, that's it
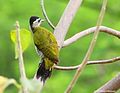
(46, 43)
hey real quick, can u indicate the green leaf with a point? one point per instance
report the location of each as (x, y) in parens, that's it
(25, 37)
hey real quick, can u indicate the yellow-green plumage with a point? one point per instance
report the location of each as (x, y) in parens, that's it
(46, 45)
(45, 42)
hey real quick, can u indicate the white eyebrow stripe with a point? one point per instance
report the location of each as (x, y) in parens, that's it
(38, 19)
(36, 23)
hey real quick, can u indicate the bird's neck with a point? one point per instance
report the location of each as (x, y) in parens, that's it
(33, 29)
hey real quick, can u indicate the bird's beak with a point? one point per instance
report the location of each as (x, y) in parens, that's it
(42, 20)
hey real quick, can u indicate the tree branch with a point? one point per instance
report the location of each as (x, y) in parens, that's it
(108, 61)
(111, 86)
(89, 31)
(20, 57)
(65, 21)
(45, 14)
(89, 52)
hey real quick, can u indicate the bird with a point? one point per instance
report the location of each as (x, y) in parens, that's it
(46, 46)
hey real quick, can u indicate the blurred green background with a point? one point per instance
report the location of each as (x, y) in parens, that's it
(93, 76)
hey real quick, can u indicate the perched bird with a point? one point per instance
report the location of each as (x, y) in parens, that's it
(47, 47)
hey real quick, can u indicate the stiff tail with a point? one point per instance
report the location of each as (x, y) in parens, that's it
(43, 71)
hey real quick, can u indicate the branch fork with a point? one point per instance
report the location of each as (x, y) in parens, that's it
(61, 30)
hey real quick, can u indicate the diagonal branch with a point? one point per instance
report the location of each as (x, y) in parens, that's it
(111, 86)
(91, 47)
(89, 31)
(65, 21)
(108, 61)
(45, 14)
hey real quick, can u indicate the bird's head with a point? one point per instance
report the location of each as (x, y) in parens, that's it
(35, 22)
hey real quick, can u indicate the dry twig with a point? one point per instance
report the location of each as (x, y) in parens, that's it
(89, 31)
(89, 52)
(45, 14)
(108, 61)
(65, 21)
(111, 86)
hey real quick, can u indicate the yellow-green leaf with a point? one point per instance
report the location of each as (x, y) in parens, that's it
(25, 38)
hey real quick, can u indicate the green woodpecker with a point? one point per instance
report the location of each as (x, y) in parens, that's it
(47, 47)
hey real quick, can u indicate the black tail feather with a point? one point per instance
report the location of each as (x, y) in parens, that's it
(42, 72)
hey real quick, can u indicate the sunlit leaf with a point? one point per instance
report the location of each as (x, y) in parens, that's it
(5, 82)
(25, 37)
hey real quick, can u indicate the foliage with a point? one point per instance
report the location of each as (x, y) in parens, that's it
(106, 47)
(25, 37)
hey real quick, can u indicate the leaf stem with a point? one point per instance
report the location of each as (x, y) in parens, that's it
(20, 57)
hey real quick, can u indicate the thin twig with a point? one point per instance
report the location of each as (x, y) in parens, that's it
(89, 31)
(108, 61)
(45, 14)
(20, 57)
(111, 86)
(89, 52)
(65, 21)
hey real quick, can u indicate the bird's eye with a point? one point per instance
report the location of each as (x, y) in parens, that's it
(38, 20)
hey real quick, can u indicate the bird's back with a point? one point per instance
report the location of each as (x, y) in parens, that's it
(46, 43)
